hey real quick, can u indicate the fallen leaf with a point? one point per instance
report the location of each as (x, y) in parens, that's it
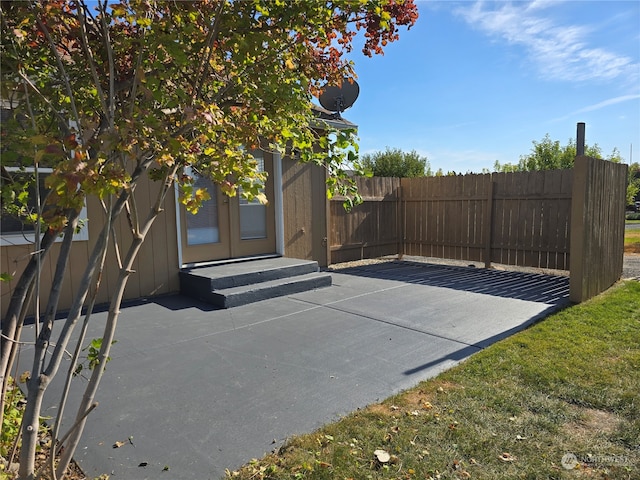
(507, 457)
(415, 413)
(382, 456)
(427, 406)
(118, 444)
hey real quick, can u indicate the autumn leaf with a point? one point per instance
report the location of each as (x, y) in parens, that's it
(382, 456)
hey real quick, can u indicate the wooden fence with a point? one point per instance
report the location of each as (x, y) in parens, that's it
(597, 229)
(373, 228)
(521, 219)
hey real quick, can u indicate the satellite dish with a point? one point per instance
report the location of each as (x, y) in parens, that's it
(338, 99)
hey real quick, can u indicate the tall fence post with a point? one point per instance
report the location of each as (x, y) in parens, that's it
(577, 261)
(488, 225)
(580, 140)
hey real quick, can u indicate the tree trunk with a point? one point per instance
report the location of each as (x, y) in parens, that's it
(38, 382)
(109, 330)
(16, 313)
(31, 419)
(18, 298)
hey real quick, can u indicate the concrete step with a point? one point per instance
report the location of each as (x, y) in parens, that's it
(242, 295)
(234, 283)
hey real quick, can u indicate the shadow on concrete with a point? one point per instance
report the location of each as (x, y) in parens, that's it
(180, 302)
(534, 287)
(469, 350)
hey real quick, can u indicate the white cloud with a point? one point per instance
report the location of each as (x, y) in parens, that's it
(560, 51)
(599, 105)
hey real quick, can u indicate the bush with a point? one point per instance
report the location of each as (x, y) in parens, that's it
(393, 162)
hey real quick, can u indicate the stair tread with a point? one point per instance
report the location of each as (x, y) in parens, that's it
(249, 267)
(271, 283)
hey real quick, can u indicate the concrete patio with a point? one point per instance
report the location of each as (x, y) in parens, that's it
(200, 390)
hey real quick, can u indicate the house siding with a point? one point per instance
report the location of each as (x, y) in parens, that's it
(155, 270)
(305, 211)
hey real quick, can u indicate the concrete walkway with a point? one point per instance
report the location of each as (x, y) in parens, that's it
(200, 390)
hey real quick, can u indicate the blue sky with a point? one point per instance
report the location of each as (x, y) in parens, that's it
(475, 82)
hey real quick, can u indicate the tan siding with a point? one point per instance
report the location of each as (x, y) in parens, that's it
(305, 220)
(156, 268)
(15, 259)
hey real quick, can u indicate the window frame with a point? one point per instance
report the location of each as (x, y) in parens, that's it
(28, 238)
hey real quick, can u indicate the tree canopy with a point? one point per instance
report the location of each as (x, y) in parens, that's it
(548, 154)
(106, 93)
(393, 162)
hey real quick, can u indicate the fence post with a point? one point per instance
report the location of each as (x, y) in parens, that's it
(580, 139)
(576, 249)
(400, 220)
(488, 225)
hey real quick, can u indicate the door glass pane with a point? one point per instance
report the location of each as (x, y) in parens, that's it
(253, 215)
(202, 227)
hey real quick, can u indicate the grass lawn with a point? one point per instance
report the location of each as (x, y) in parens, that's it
(567, 385)
(632, 240)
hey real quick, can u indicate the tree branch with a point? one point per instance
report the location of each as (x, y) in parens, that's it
(63, 71)
(87, 50)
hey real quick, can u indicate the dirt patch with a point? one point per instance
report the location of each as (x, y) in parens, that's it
(415, 399)
(632, 248)
(592, 423)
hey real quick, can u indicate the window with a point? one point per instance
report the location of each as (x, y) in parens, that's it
(253, 215)
(13, 231)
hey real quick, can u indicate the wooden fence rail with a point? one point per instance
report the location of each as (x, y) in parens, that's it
(521, 219)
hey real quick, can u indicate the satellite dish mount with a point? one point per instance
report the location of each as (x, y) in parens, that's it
(338, 99)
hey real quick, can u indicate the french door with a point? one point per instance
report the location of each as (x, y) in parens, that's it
(229, 227)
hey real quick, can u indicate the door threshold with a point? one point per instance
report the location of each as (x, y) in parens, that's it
(226, 261)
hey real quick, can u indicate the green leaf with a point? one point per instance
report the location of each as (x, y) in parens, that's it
(5, 277)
